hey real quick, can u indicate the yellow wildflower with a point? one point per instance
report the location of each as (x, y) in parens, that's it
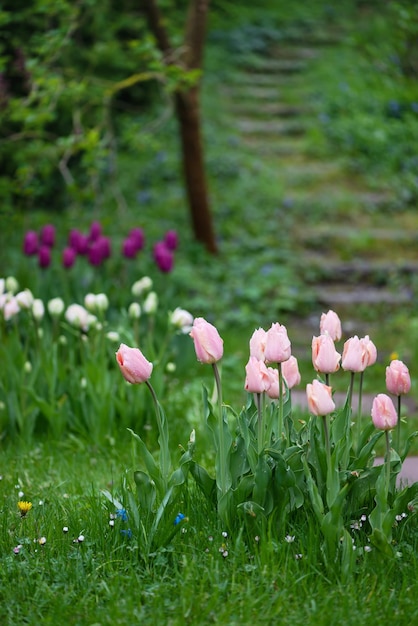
(24, 507)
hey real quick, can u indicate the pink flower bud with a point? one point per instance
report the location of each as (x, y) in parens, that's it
(384, 414)
(290, 371)
(330, 323)
(208, 344)
(44, 257)
(325, 358)
(354, 357)
(273, 390)
(398, 380)
(258, 343)
(369, 351)
(257, 379)
(319, 397)
(48, 235)
(134, 366)
(278, 347)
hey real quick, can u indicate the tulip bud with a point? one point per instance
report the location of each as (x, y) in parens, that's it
(182, 319)
(133, 365)
(151, 303)
(325, 358)
(369, 351)
(141, 286)
(257, 379)
(38, 309)
(398, 380)
(11, 284)
(134, 311)
(319, 397)
(290, 371)
(354, 358)
(384, 414)
(330, 323)
(10, 308)
(278, 347)
(55, 307)
(258, 344)
(78, 316)
(207, 342)
(25, 299)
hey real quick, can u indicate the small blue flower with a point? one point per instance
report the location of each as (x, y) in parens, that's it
(178, 519)
(122, 514)
(127, 532)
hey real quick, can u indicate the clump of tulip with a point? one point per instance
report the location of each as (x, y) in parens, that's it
(267, 465)
(96, 247)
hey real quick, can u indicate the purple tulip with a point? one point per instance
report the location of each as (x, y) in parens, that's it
(82, 244)
(30, 243)
(44, 256)
(48, 235)
(137, 235)
(129, 248)
(95, 255)
(95, 231)
(164, 257)
(68, 257)
(104, 245)
(171, 239)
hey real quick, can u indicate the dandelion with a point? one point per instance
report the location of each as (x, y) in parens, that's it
(42, 541)
(24, 507)
(65, 529)
(367, 548)
(80, 538)
(111, 523)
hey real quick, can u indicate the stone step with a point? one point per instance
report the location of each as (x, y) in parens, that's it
(264, 109)
(270, 127)
(326, 232)
(373, 270)
(266, 65)
(331, 295)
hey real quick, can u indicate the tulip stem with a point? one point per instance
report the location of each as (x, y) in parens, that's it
(387, 461)
(259, 423)
(163, 436)
(398, 427)
(360, 401)
(326, 434)
(280, 424)
(221, 449)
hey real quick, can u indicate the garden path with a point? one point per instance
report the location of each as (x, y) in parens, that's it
(358, 247)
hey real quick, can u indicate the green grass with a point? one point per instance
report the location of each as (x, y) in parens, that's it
(103, 581)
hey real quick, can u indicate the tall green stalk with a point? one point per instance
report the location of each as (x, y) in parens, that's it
(398, 426)
(222, 482)
(165, 460)
(359, 409)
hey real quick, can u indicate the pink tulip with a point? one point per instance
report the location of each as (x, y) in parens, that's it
(258, 344)
(208, 344)
(273, 390)
(290, 371)
(319, 397)
(369, 350)
(354, 358)
(257, 379)
(278, 347)
(398, 380)
(325, 358)
(134, 366)
(330, 323)
(384, 414)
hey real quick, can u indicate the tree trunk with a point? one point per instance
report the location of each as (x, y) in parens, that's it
(188, 114)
